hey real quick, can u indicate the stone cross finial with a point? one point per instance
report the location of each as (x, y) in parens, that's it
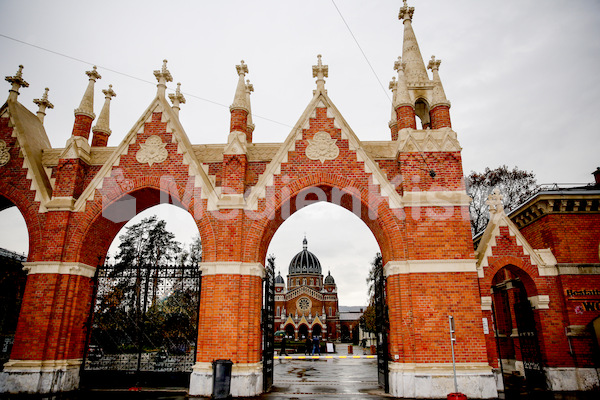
(109, 93)
(163, 76)
(42, 104)
(17, 82)
(434, 64)
(320, 72)
(93, 74)
(494, 201)
(406, 12)
(177, 98)
(242, 69)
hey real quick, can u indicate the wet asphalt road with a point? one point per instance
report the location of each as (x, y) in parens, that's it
(325, 379)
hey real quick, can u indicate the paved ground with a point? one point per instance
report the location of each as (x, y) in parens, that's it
(323, 379)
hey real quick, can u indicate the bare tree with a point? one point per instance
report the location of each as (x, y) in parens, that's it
(515, 185)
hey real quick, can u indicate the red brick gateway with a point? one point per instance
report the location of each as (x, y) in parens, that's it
(409, 191)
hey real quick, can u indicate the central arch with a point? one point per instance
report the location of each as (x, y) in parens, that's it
(368, 205)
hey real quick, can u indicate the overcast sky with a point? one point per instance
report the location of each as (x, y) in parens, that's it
(521, 76)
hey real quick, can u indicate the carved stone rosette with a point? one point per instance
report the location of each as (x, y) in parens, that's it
(4, 154)
(153, 151)
(322, 147)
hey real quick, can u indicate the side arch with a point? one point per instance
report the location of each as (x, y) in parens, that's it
(10, 196)
(101, 223)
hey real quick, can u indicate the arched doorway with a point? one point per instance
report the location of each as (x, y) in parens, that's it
(302, 332)
(317, 331)
(290, 331)
(517, 328)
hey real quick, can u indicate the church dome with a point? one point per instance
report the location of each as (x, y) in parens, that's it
(329, 279)
(279, 278)
(305, 262)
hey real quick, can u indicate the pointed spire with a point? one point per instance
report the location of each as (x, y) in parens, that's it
(163, 76)
(87, 103)
(102, 125)
(42, 104)
(415, 67)
(439, 96)
(320, 72)
(177, 98)
(249, 89)
(17, 82)
(240, 100)
(305, 243)
(402, 95)
(394, 88)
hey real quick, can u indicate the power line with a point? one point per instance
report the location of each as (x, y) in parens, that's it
(361, 50)
(131, 76)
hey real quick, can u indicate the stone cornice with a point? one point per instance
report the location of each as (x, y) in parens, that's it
(578, 269)
(429, 266)
(57, 267)
(232, 268)
(436, 198)
(556, 203)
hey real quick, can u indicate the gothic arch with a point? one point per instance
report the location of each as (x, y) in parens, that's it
(333, 188)
(102, 223)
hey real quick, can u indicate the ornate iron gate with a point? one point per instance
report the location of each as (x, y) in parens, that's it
(528, 340)
(268, 326)
(143, 326)
(381, 316)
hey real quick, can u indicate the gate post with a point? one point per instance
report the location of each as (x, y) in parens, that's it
(49, 341)
(229, 326)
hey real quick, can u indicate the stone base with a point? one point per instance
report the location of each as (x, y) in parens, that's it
(572, 379)
(436, 381)
(50, 376)
(246, 380)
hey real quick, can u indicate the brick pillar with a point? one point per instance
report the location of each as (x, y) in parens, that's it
(440, 117)
(239, 121)
(229, 326)
(70, 175)
(406, 117)
(82, 125)
(100, 139)
(234, 173)
(51, 332)
(394, 130)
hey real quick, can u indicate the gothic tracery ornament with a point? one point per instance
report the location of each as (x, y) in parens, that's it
(153, 151)
(322, 147)
(4, 154)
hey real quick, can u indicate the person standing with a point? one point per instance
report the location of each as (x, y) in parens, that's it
(316, 346)
(283, 344)
(308, 346)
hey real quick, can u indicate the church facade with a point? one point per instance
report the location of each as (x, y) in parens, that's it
(308, 305)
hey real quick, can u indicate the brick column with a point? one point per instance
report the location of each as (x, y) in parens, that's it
(229, 326)
(50, 337)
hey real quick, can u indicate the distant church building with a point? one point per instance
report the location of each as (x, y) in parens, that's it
(309, 305)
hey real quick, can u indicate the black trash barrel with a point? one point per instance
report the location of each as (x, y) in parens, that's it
(221, 379)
